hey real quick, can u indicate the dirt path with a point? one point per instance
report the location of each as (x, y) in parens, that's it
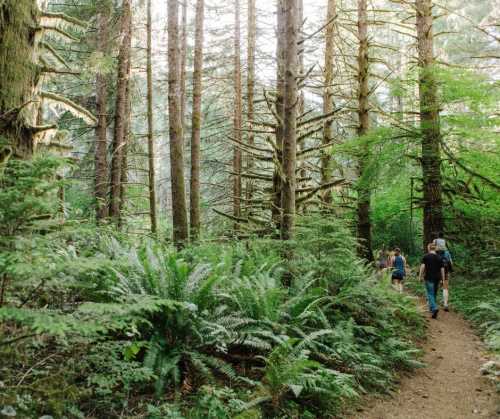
(450, 387)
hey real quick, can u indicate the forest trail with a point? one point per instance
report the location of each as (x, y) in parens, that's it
(450, 386)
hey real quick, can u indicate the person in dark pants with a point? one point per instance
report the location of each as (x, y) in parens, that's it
(432, 272)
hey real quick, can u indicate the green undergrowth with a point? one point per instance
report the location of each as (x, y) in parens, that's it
(96, 324)
(479, 301)
(211, 331)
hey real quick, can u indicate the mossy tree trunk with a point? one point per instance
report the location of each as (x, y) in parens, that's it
(126, 146)
(101, 143)
(276, 210)
(326, 170)
(183, 63)
(290, 119)
(19, 22)
(429, 125)
(251, 28)
(363, 187)
(120, 112)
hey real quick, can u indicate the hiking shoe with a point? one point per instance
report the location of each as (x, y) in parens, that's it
(446, 308)
(435, 314)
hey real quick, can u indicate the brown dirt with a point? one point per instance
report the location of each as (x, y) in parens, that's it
(450, 386)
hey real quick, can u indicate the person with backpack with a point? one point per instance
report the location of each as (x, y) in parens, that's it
(399, 266)
(432, 272)
(445, 256)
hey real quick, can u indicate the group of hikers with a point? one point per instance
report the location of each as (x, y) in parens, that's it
(435, 269)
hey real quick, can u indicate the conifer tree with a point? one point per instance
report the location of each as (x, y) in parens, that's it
(101, 143)
(194, 192)
(363, 187)
(290, 101)
(326, 170)
(120, 123)
(251, 39)
(429, 125)
(151, 144)
(237, 115)
(179, 210)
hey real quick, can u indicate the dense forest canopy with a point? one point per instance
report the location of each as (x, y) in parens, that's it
(193, 195)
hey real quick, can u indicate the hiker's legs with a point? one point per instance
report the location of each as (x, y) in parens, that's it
(430, 288)
(445, 289)
(436, 289)
(399, 284)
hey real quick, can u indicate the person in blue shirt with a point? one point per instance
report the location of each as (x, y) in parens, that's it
(399, 269)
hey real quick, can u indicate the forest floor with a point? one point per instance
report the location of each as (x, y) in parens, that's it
(450, 386)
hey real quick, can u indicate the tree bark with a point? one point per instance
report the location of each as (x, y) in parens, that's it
(429, 126)
(276, 210)
(120, 112)
(250, 89)
(326, 169)
(302, 103)
(290, 119)
(196, 123)
(364, 193)
(151, 146)
(126, 142)
(18, 75)
(179, 211)
(237, 115)
(101, 145)
(183, 63)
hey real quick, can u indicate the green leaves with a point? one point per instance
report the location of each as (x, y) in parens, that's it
(25, 193)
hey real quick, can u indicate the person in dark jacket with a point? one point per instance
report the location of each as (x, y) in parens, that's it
(432, 273)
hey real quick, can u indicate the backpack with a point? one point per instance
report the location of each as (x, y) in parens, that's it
(446, 259)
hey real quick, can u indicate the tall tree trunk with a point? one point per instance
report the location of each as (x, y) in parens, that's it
(179, 211)
(237, 114)
(429, 125)
(183, 63)
(120, 111)
(276, 210)
(290, 119)
(19, 20)
(364, 194)
(126, 142)
(301, 106)
(196, 122)
(151, 146)
(101, 145)
(250, 88)
(326, 158)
